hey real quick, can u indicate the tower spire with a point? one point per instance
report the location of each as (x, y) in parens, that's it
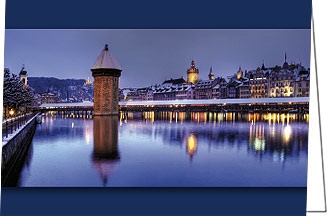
(211, 75)
(192, 63)
(285, 64)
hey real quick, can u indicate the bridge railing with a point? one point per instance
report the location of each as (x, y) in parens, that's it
(9, 126)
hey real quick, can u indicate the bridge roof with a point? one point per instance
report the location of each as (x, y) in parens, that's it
(218, 101)
(188, 102)
(79, 104)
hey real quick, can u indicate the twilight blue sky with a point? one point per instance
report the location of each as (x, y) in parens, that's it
(150, 56)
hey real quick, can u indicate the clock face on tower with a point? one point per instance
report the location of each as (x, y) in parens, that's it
(193, 78)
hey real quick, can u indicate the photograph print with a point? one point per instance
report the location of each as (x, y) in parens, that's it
(156, 108)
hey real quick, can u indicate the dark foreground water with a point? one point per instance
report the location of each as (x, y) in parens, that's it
(169, 149)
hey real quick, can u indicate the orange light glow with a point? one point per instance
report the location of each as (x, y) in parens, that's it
(191, 144)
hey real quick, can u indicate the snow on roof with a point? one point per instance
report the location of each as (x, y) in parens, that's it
(202, 82)
(303, 77)
(126, 91)
(106, 60)
(78, 104)
(189, 102)
(174, 81)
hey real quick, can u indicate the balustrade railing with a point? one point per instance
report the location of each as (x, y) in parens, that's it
(9, 126)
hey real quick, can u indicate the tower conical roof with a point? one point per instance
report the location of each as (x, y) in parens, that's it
(106, 60)
(210, 72)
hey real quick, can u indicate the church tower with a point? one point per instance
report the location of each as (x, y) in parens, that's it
(211, 75)
(23, 75)
(193, 74)
(285, 64)
(106, 72)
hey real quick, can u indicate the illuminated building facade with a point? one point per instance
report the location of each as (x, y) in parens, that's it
(283, 80)
(282, 83)
(288, 80)
(259, 82)
(88, 82)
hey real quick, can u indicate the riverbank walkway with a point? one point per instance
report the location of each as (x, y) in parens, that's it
(12, 126)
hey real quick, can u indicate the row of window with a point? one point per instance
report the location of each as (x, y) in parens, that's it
(258, 87)
(283, 78)
(282, 84)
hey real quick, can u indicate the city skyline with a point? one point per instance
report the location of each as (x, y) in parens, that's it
(149, 57)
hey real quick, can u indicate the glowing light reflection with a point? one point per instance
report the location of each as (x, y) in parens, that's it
(191, 145)
(287, 132)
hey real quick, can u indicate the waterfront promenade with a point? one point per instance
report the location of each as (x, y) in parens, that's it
(13, 125)
(15, 145)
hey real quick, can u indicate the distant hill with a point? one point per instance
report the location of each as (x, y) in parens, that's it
(45, 84)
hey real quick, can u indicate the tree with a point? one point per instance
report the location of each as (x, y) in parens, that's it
(8, 91)
(15, 94)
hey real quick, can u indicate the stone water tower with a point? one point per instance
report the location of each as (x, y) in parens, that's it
(106, 72)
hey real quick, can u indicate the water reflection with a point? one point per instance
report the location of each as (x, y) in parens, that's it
(287, 133)
(191, 144)
(105, 152)
(215, 117)
(271, 134)
(170, 149)
(257, 138)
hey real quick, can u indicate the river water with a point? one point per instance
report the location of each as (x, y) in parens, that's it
(169, 149)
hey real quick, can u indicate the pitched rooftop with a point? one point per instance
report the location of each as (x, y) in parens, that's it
(175, 81)
(106, 60)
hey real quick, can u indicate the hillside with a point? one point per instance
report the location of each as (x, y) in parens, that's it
(45, 84)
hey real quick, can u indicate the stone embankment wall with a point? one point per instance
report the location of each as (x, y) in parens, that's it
(14, 153)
